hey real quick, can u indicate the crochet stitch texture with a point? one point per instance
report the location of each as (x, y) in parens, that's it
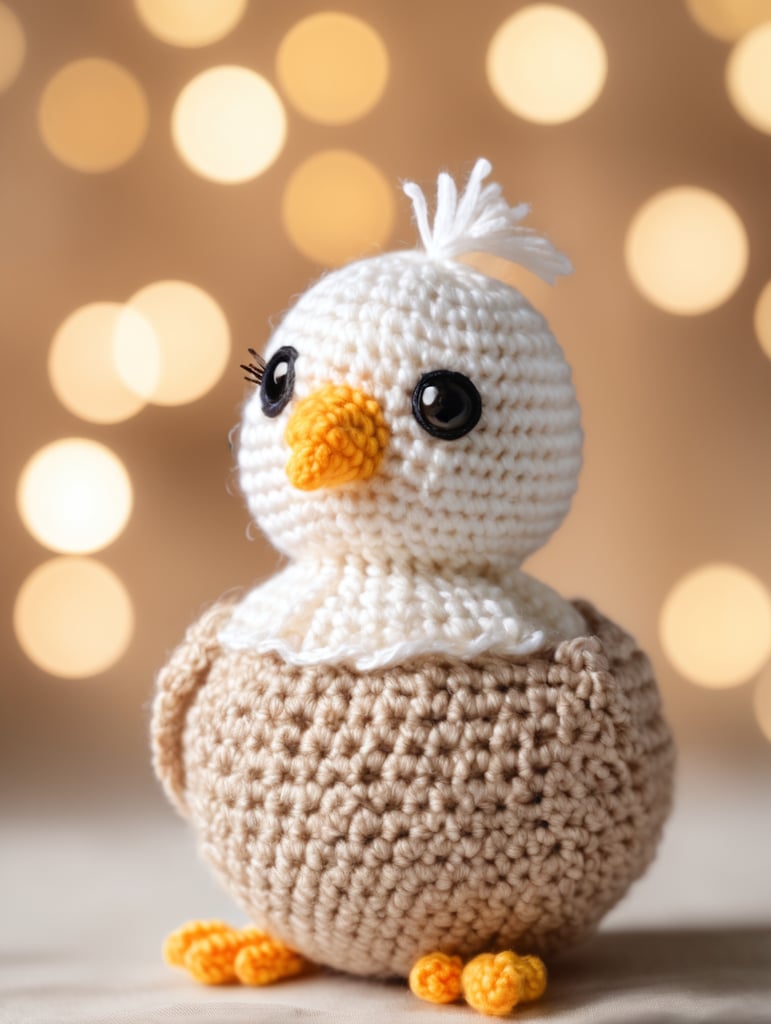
(367, 819)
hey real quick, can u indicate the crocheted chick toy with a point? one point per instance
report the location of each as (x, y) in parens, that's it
(402, 755)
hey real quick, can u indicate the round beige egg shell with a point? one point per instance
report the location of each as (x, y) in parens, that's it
(493, 495)
(369, 818)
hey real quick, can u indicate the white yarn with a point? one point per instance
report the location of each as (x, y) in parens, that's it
(365, 818)
(424, 556)
(482, 221)
(369, 615)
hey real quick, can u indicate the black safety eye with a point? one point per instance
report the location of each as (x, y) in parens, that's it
(277, 384)
(446, 404)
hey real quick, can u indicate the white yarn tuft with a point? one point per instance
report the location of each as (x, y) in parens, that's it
(482, 221)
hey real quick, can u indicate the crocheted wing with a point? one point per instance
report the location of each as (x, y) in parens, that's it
(177, 685)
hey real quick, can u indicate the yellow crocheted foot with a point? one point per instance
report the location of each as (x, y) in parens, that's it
(216, 954)
(436, 978)
(532, 973)
(267, 960)
(177, 945)
(493, 983)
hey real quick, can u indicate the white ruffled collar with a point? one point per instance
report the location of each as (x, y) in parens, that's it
(370, 614)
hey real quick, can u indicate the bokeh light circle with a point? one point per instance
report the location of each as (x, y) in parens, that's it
(103, 362)
(546, 64)
(729, 19)
(715, 625)
(190, 22)
(73, 617)
(74, 495)
(136, 353)
(336, 206)
(332, 67)
(13, 47)
(228, 124)
(748, 77)
(763, 319)
(93, 115)
(686, 250)
(193, 339)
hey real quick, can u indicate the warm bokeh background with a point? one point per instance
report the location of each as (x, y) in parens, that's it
(101, 198)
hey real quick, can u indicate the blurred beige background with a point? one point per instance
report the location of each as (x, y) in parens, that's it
(111, 183)
(676, 407)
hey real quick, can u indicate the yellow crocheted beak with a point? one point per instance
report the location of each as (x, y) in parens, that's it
(337, 434)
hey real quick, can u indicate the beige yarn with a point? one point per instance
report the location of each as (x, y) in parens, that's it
(367, 819)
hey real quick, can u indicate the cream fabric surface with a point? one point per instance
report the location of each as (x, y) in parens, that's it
(88, 897)
(619, 978)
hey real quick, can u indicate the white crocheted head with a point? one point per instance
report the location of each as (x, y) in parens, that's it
(412, 408)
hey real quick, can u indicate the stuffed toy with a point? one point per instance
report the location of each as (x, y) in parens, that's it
(402, 755)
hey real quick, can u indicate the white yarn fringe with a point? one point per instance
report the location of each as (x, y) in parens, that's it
(482, 221)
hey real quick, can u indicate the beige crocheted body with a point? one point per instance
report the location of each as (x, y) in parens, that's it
(367, 819)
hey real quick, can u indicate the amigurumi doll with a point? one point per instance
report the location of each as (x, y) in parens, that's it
(402, 755)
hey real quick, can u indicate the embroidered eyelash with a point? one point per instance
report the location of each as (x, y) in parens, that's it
(254, 371)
